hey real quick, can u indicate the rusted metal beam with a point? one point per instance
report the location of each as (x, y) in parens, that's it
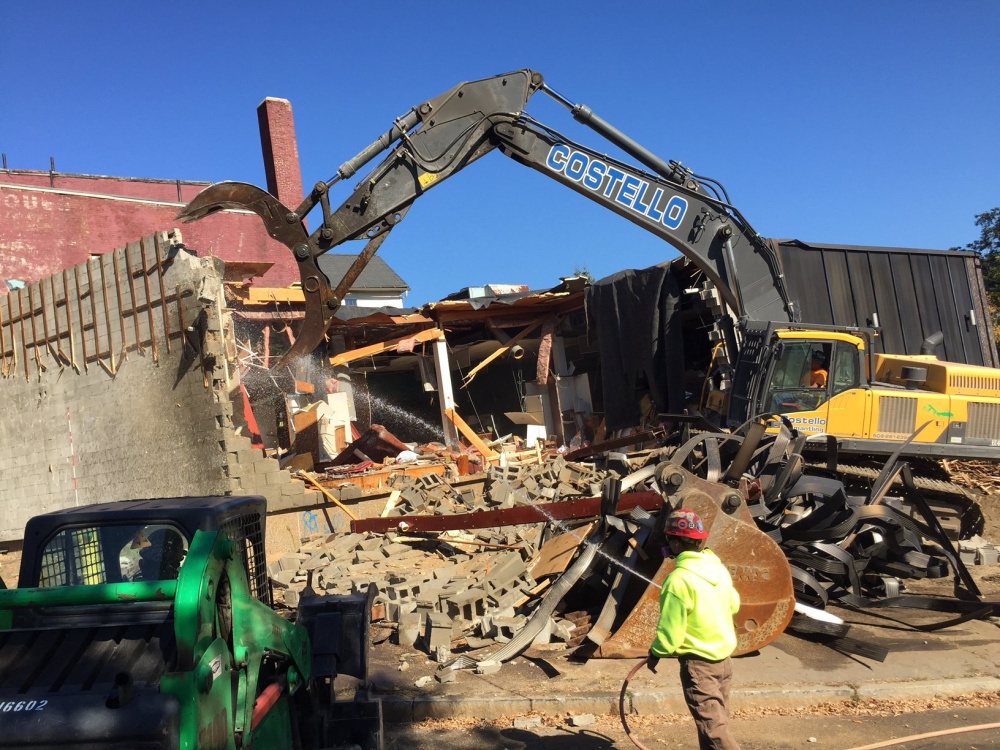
(586, 507)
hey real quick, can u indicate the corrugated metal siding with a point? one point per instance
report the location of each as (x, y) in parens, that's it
(914, 293)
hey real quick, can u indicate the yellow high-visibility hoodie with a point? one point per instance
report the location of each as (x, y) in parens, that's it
(697, 604)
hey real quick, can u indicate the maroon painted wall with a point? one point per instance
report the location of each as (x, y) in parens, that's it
(51, 220)
(44, 230)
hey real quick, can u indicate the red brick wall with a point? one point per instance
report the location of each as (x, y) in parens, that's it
(281, 151)
(44, 231)
(47, 225)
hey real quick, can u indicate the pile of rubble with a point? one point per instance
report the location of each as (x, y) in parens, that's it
(474, 586)
(498, 572)
(506, 487)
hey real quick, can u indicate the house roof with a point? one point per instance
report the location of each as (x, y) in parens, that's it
(377, 275)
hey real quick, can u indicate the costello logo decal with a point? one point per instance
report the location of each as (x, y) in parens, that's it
(807, 421)
(633, 193)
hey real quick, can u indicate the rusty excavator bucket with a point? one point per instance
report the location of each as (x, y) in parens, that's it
(287, 227)
(760, 571)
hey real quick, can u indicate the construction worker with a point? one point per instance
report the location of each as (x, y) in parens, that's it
(697, 604)
(817, 375)
(162, 558)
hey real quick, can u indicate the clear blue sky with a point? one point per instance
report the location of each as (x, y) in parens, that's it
(856, 122)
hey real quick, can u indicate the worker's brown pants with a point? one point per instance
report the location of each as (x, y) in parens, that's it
(706, 690)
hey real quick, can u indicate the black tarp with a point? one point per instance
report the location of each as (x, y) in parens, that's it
(641, 342)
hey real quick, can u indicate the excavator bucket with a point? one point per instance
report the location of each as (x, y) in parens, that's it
(759, 569)
(286, 227)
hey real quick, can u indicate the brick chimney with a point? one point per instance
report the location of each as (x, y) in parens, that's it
(281, 151)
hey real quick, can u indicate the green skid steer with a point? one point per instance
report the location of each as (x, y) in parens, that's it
(148, 624)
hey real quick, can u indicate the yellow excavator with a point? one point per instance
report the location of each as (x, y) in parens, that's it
(871, 402)
(830, 381)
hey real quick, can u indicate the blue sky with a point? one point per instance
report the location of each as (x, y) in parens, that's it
(867, 123)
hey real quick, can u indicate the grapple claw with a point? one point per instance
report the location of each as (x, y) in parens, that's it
(321, 302)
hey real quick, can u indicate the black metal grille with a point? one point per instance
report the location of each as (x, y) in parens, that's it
(247, 535)
(73, 558)
(749, 373)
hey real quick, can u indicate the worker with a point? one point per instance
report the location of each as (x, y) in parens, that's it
(817, 375)
(128, 558)
(161, 560)
(697, 604)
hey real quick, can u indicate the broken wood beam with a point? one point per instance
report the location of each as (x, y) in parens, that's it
(477, 442)
(499, 352)
(308, 477)
(428, 334)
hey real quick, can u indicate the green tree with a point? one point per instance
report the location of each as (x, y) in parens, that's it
(988, 247)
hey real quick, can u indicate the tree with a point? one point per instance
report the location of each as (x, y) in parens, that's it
(988, 247)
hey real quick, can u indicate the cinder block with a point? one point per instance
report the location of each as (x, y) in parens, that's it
(469, 605)
(278, 477)
(488, 666)
(437, 631)
(265, 465)
(409, 629)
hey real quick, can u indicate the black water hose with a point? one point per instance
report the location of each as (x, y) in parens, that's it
(621, 704)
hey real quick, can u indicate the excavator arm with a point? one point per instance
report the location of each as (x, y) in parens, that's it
(442, 136)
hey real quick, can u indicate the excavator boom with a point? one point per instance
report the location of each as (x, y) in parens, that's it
(442, 136)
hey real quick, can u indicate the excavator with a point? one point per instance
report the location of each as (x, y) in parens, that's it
(871, 403)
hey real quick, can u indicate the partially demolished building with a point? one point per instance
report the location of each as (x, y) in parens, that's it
(462, 463)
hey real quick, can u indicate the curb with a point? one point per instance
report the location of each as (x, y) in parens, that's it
(398, 709)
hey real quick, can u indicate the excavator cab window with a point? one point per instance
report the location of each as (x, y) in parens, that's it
(846, 367)
(799, 377)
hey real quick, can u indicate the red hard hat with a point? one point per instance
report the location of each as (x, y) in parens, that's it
(685, 523)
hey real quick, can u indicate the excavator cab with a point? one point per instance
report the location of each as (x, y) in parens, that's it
(815, 377)
(799, 377)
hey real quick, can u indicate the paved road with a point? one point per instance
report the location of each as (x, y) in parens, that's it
(765, 733)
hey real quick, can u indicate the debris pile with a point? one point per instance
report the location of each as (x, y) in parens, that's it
(475, 586)
(461, 565)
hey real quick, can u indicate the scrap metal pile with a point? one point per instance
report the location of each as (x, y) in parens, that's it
(477, 575)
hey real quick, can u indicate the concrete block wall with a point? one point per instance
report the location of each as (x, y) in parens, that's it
(115, 378)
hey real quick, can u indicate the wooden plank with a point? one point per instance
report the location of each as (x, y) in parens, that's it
(390, 503)
(557, 553)
(385, 346)
(376, 480)
(265, 296)
(336, 501)
(499, 352)
(470, 435)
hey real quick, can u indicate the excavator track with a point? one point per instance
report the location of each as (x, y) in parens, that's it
(924, 483)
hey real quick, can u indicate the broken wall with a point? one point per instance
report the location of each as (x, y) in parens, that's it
(115, 383)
